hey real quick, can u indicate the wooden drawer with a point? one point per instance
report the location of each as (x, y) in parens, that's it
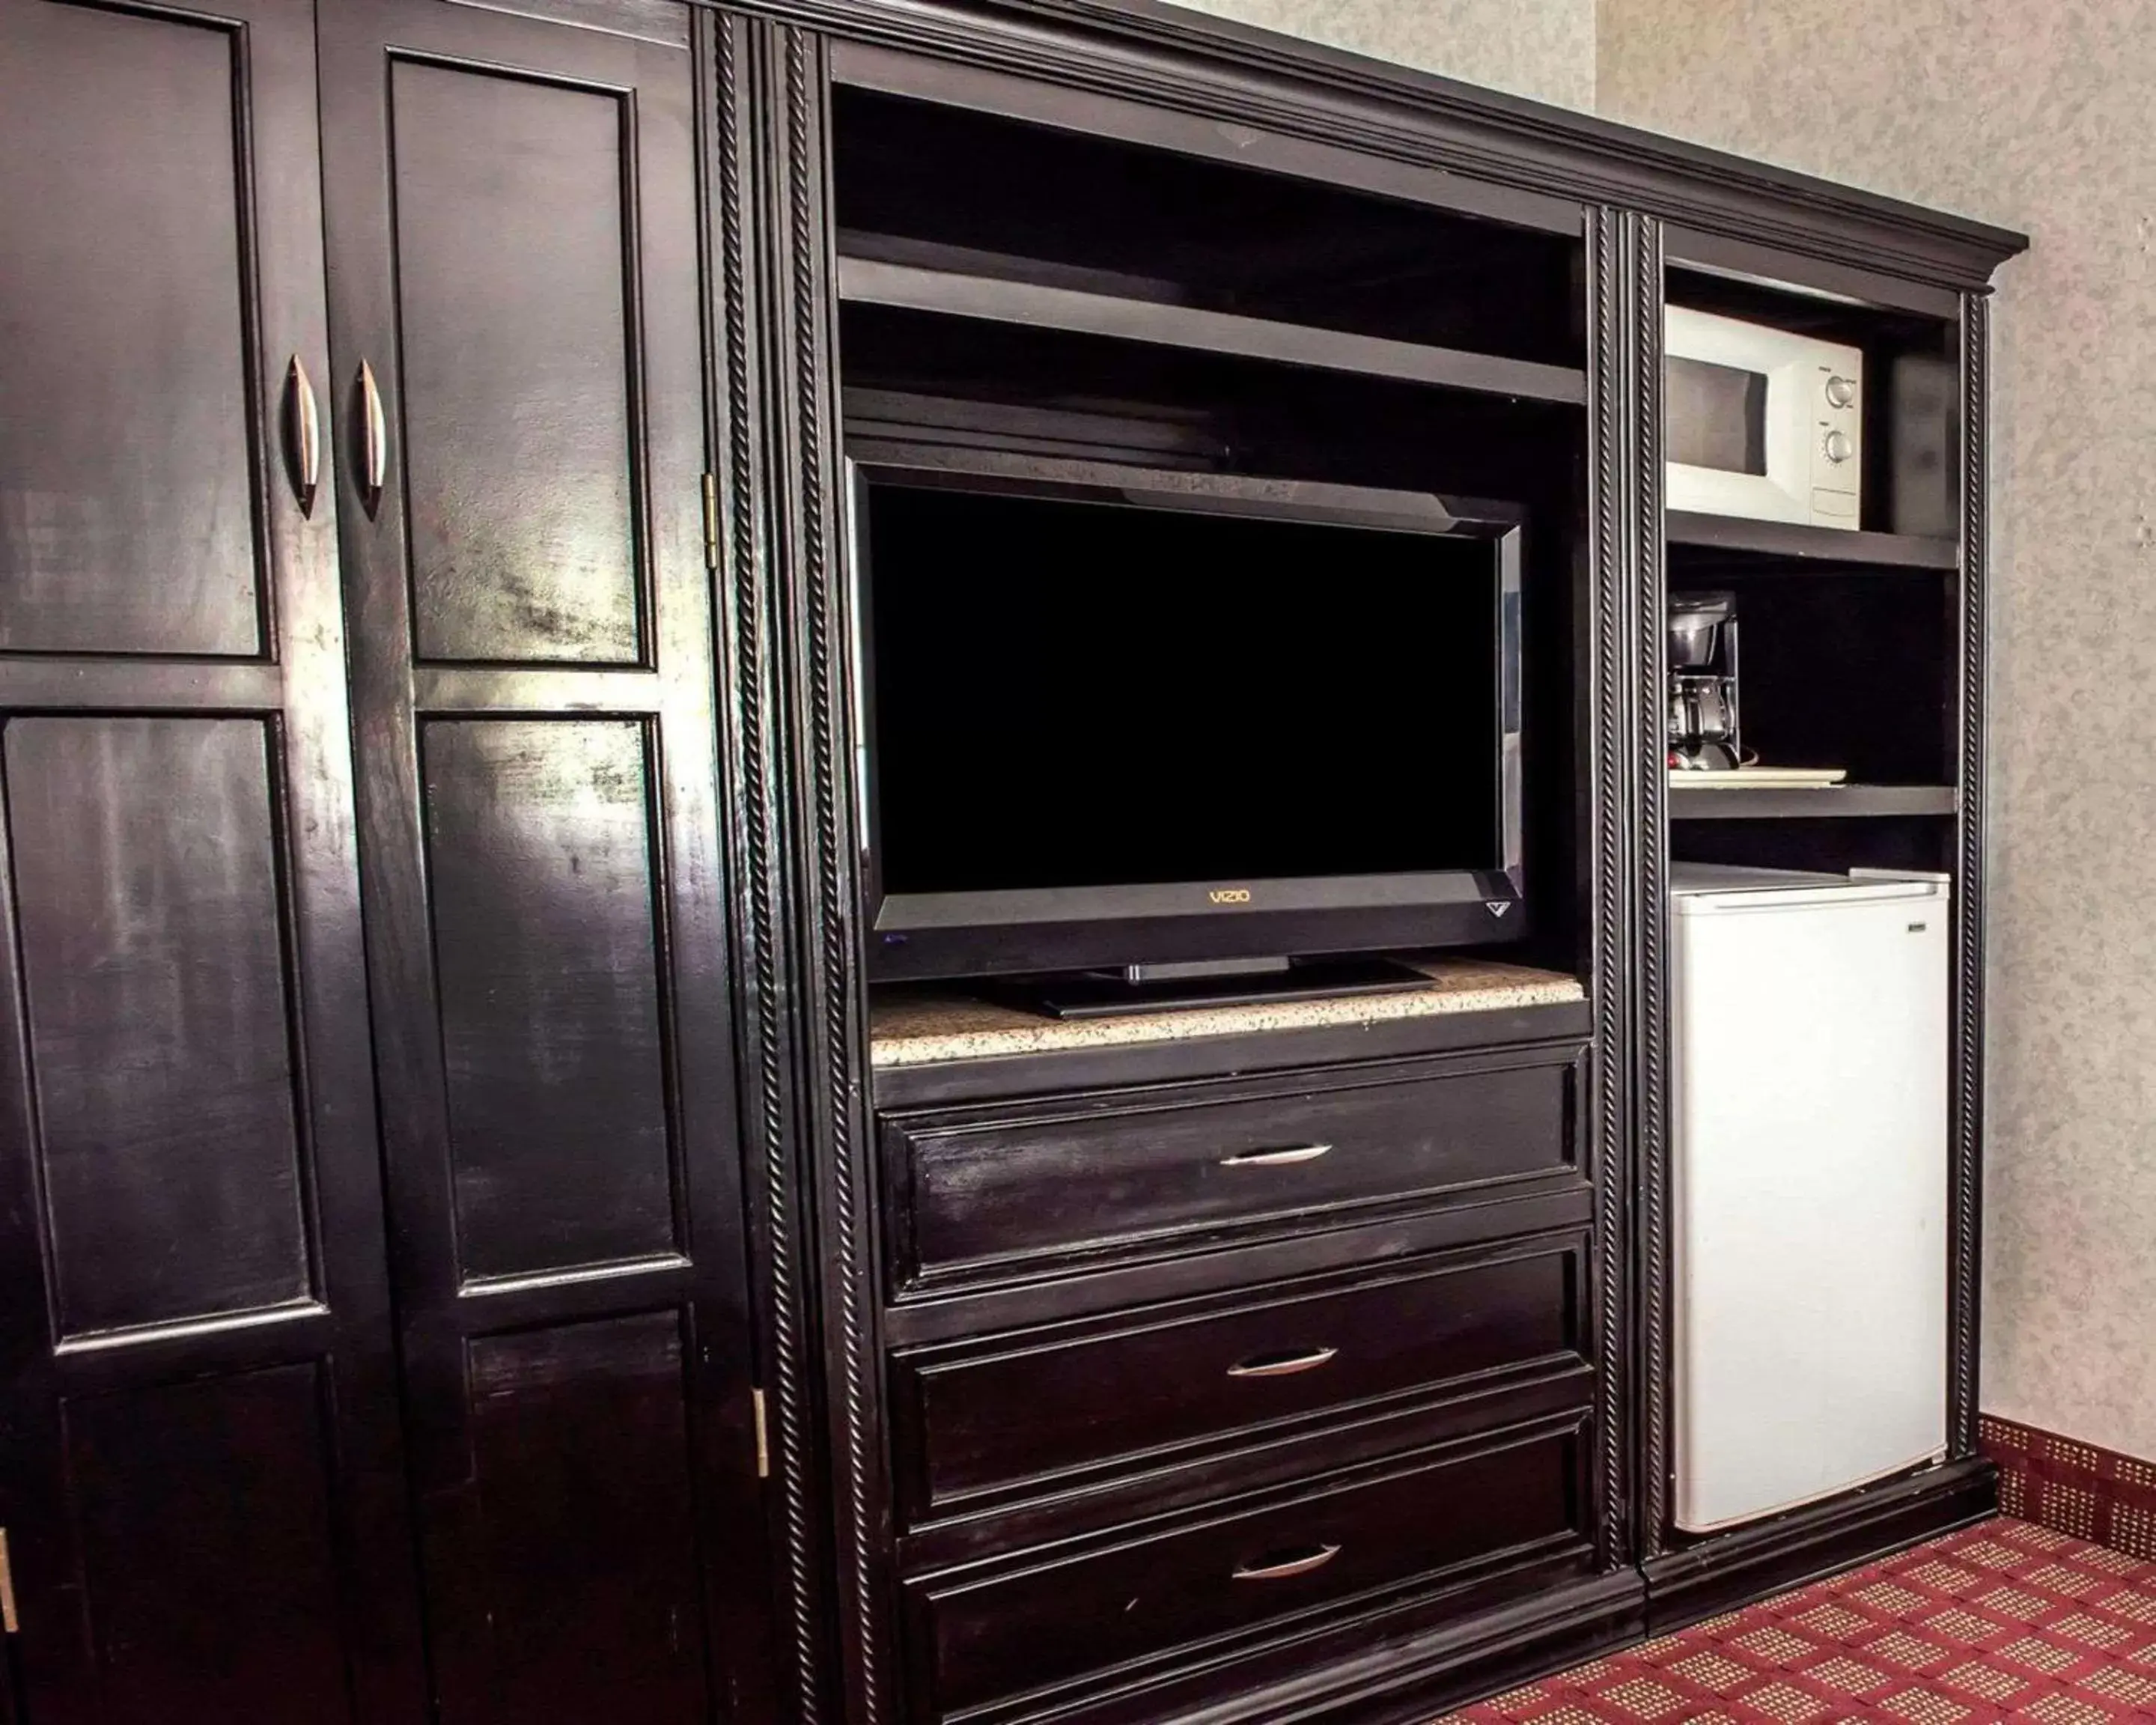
(990, 1421)
(972, 1190)
(974, 1643)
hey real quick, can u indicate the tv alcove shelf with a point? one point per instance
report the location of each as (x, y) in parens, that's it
(913, 1027)
(494, 1171)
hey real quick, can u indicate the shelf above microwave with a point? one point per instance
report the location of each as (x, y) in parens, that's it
(1844, 547)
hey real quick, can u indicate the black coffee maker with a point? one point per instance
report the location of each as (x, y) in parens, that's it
(1704, 731)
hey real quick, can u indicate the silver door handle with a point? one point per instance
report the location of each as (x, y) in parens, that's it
(1287, 1567)
(1284, 1365)
(1276, 1159)
(374, 436)
(305, 430)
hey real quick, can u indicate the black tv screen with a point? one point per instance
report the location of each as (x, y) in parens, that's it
(1071, 694)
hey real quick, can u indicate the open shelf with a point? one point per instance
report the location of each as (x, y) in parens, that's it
(974, 193)
(1810, 803)
(1848, 645)
(923, 381)
(1749, 540)
(1925, 843)
(1040, 305)
(914, 376)
(1841, 667)
(1050, 286)
(1911, 477)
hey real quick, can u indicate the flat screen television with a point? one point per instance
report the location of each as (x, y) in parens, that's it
(1112, 716)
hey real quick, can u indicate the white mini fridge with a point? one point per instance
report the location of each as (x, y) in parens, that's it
(1810, 1119)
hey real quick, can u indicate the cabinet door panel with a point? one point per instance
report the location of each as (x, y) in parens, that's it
(206, 1554)
(580, 1441)
(540, 845)
(513, 225)
(128, 508)
(159, 1026)
(515, 296)
(202, 1473)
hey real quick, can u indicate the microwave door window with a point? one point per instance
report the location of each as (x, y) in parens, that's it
(1717, 417)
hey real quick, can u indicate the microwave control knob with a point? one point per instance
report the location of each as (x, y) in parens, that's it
(1839, 447)
(1840, 392)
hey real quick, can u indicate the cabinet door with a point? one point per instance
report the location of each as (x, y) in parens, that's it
(513, 223)
(199, 1465)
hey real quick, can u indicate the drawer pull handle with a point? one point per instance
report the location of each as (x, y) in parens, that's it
(1282, 1365)
(1275, 1159)
(1288, 1567)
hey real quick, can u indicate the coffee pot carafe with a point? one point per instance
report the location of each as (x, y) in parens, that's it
(1703, 725)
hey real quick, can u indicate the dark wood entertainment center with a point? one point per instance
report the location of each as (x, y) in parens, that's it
(475, 1246)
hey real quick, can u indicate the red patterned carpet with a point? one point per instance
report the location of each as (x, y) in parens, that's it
(2006, 1622)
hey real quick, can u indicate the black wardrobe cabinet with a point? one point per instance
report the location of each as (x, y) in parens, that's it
(377, 1272)
(472, 1248)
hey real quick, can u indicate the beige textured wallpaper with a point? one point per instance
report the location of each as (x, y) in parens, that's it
(1544, 48)
(2037, 117)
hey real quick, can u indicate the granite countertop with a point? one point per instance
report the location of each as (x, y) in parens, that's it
(917, 1027)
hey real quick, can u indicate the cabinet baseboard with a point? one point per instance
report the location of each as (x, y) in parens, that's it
(1724, 1571)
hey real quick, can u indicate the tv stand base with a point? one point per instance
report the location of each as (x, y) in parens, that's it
(1249, 981)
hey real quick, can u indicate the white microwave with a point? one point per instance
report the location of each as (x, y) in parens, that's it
(1760, 422)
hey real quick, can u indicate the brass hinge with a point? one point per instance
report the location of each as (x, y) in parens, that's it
(7, 1620)
(711, 522)
(762, 1437)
